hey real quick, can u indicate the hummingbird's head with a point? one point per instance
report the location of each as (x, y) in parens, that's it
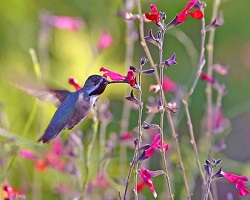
(95, 84)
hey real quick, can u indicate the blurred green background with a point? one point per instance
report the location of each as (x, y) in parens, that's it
(73, 53)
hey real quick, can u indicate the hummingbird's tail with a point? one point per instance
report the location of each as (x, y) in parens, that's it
(48, 135)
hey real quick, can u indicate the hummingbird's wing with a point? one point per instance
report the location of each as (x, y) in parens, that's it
(73, 110)
(54, 96)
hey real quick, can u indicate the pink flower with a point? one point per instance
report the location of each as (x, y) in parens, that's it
(9, 191)
(74, 82)
(156, 144)
(130, 78)
(28, 154)
(105, 41)
(12, 193)
(181, 17)
(146, 176)
(168, 85)
(155, 15)
(58, 147)
(239, 182)
(64, 22)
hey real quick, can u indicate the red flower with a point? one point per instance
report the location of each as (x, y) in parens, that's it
(181, 17)
(41, 165)
(74, 82)
(207, 78)
(155, 15)
(146, 176)
(239, 182)
(130, 77)
(140, 186)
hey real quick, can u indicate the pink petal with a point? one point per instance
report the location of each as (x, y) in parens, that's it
(168, 85)
(9, 190)
(105, 41)
(242, 188)
(147, 173)
(112, 75)
(146, 176)
(28, 154)
(233, 178)
(58, 147)
(149, 152)
(70, 23)
(190, 4)
(181, 17)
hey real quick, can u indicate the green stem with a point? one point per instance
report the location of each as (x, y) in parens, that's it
(88, 154)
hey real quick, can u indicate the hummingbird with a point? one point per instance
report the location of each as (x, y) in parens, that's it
(73, 107)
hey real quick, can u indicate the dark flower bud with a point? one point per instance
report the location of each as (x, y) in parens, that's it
(208, 162)
(134, 69)
(208, 169)
(218, 174)
(163, 15)
(143, 61)
(148, 71)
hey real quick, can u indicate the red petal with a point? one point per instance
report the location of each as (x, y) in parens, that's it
(74, 82)
(41, 165)
(140, 186)
(150, 16)
(196, 14)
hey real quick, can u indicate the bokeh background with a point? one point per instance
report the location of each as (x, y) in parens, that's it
(75, 53)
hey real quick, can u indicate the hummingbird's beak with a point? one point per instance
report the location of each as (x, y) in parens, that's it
(119, 81)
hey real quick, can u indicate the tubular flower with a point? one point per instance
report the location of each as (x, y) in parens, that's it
(155, 15)
(74, 82)
(181, 17)
(146, 176)
(130, 77)
(156, 143)
(207, 78)
(239, 182)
